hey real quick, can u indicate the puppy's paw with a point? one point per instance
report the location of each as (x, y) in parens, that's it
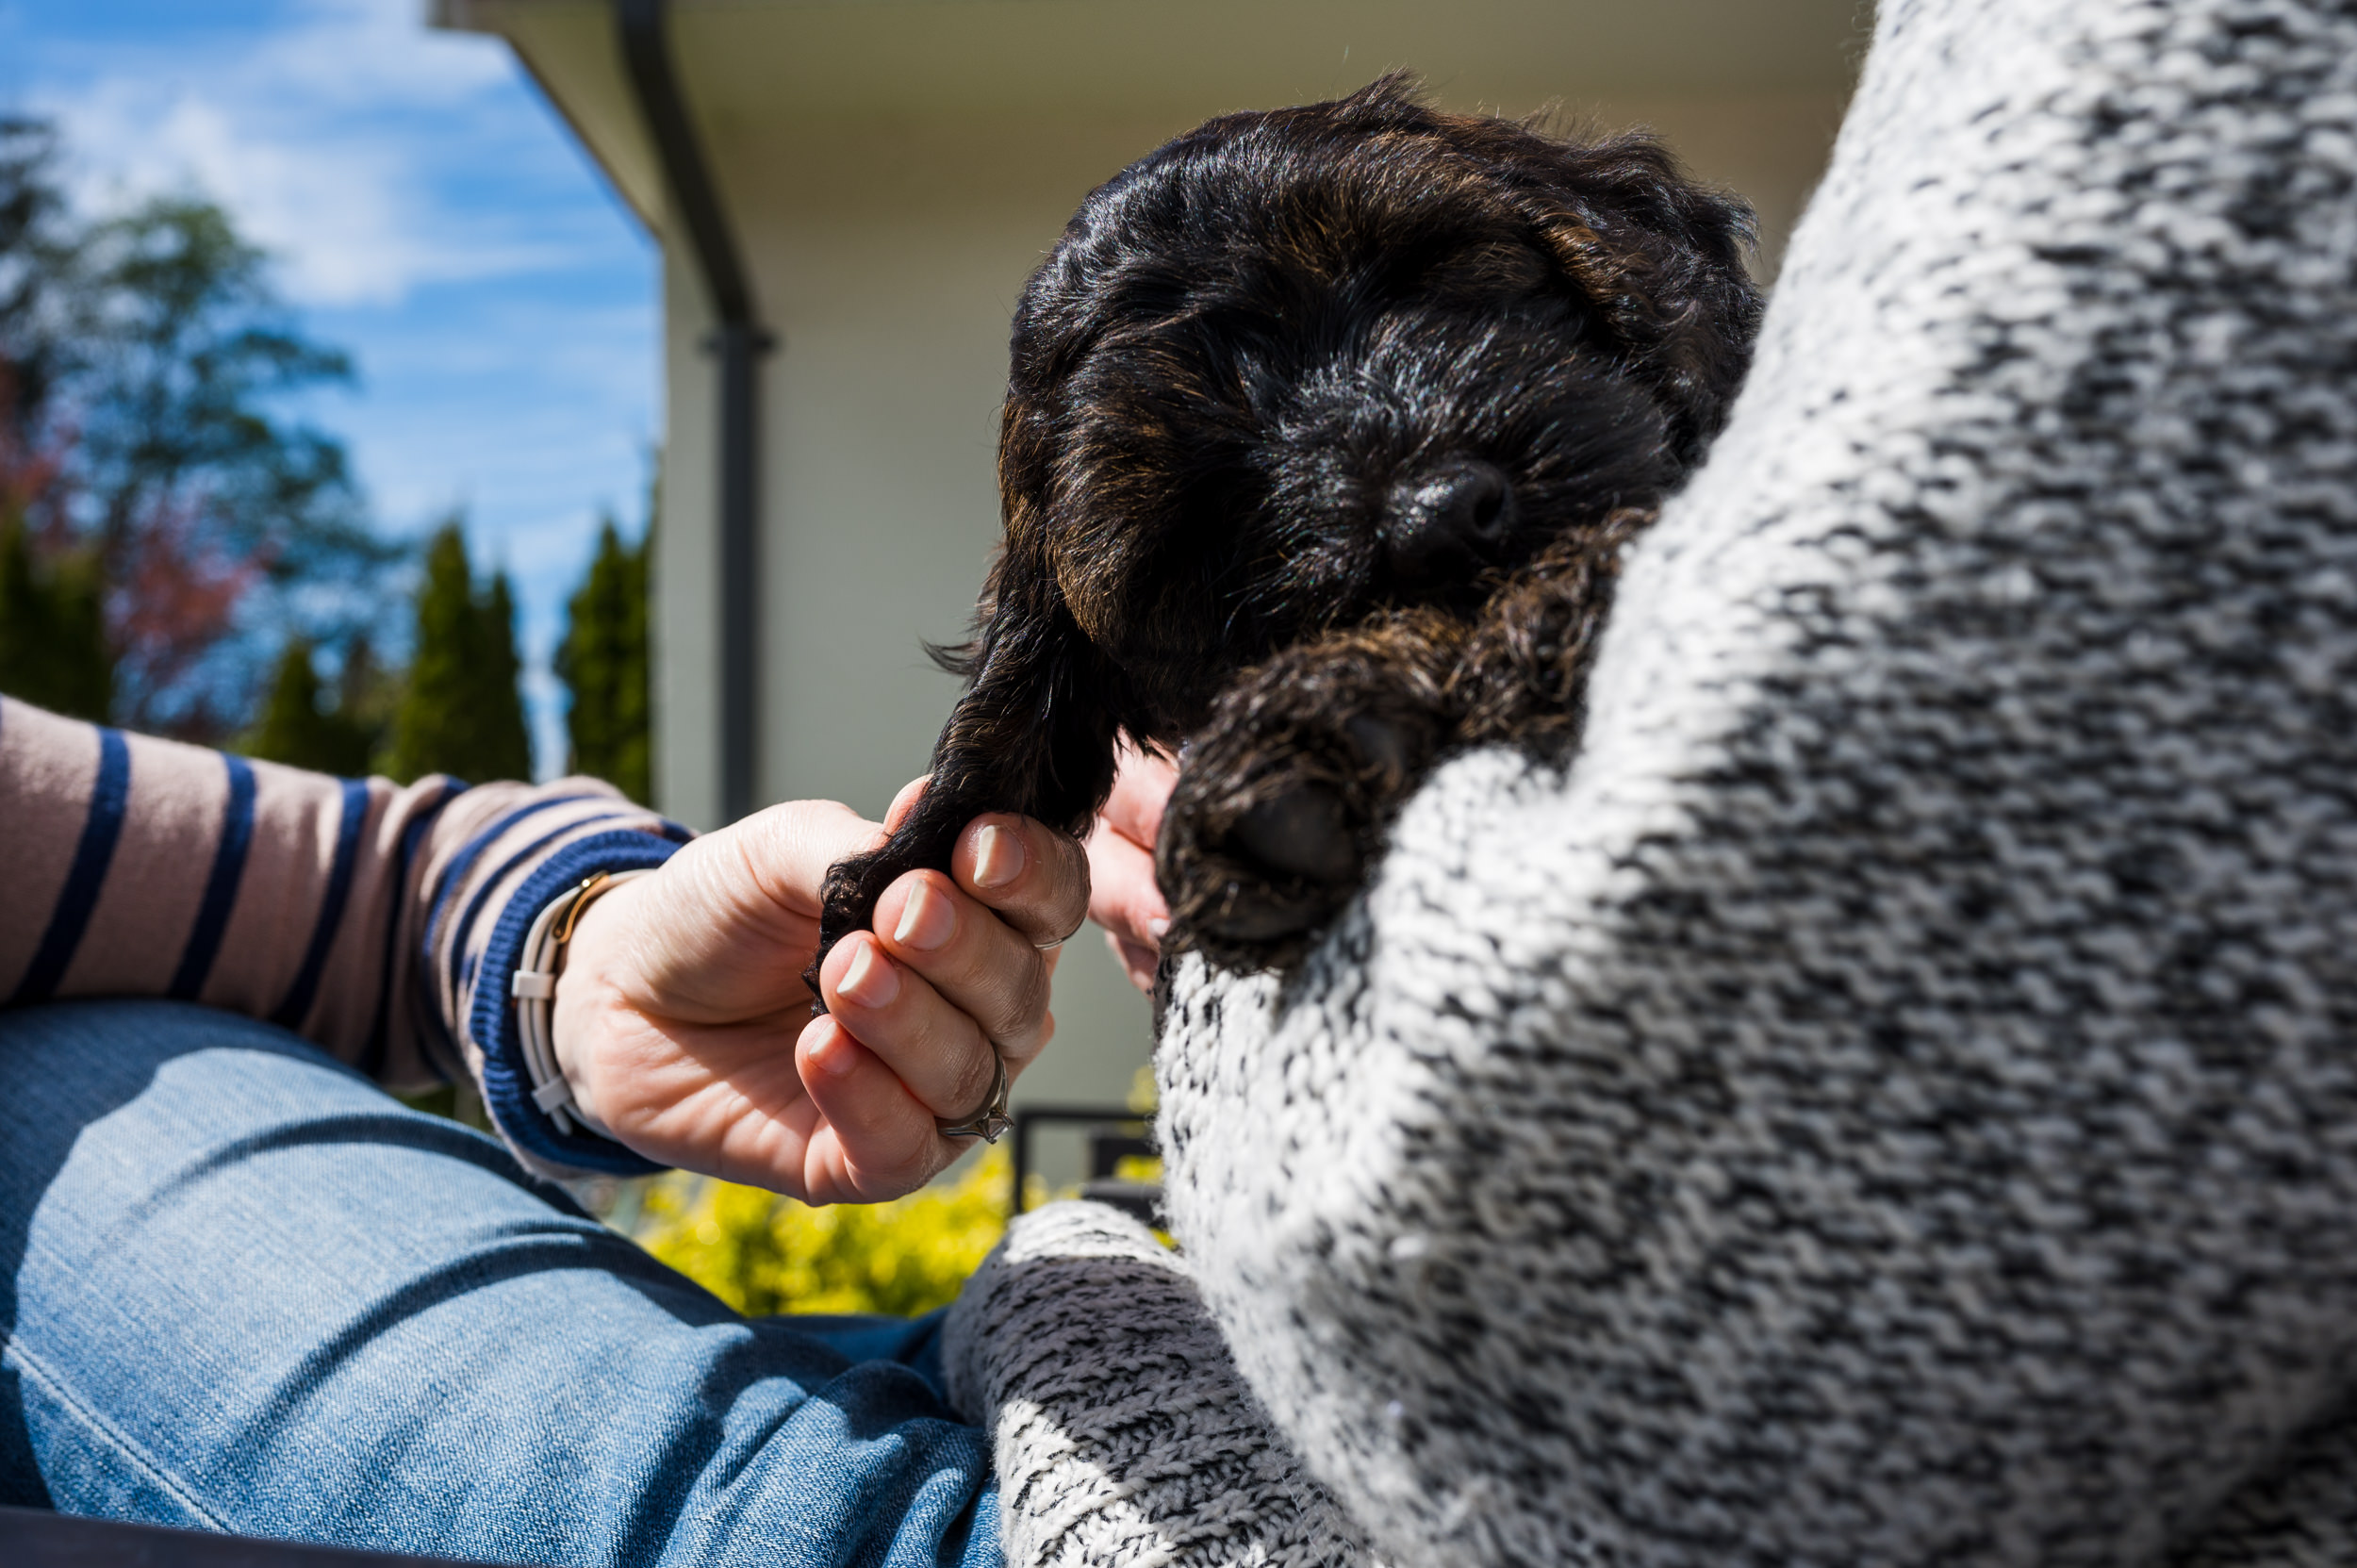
(846, 902)
(1285, 796)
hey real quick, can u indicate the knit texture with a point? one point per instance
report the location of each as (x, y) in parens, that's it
(1121, 1432)
(1893, 1099)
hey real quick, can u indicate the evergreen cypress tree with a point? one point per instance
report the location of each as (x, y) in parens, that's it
(602, 662)
(506, 740)
(429, 726)
(366, 696)
(460, 712)
(295, 730)
(52, 627)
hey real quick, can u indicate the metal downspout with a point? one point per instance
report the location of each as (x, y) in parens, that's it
(693, 201)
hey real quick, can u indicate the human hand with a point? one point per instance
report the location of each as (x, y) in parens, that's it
(684, 1026)
(1123, 897)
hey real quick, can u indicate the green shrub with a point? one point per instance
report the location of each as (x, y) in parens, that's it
(764, 1254)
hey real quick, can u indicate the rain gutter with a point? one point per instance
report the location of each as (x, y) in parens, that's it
(692, 202)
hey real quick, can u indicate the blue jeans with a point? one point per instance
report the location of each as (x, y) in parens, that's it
(246, 1291)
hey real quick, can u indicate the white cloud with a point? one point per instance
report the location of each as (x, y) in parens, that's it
(331, 141)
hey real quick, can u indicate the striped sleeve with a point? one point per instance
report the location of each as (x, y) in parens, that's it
(377, 920)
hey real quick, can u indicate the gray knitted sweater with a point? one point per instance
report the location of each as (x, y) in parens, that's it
(1894, 1100)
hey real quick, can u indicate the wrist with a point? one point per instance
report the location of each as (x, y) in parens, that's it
(584, 989)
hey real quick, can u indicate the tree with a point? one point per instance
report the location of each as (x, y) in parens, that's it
(366, 695)
(53, 630)
(298, 730)
(215, 512)
(460, 711)
(506, 738)
(52, 644)
(602, 662)
(36, 257)
(148, 354)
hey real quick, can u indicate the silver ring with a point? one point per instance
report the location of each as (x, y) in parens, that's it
(991, 1122)
(1051, 947)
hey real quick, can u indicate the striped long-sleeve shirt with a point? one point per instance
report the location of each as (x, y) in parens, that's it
(379, 921)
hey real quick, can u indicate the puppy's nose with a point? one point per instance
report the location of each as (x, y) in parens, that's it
(1447, 520)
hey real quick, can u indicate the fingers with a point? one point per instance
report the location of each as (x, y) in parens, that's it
(875, 1139)
(896, 1054)
(1123, 895)
(939, 1052)
(784, 851)
(954, 977)
(905, 801)
(1035, 878)
(1142, 784)
(978, 966)
(1140, 964)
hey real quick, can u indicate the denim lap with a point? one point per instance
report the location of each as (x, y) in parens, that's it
(252, 1293)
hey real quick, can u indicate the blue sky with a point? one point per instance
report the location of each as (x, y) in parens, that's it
(428, 213)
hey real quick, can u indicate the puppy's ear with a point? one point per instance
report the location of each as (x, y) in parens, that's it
(1659, 256)
(1033, 731)
(1663, 258)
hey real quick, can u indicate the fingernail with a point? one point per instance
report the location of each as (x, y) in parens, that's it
(837, 1056)
(871, 981)
(998, 857)
(1156, 930)
(926, 920)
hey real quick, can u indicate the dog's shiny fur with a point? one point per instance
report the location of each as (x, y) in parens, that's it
(1324, 430)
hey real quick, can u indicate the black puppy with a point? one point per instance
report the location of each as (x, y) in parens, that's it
(1323, 429)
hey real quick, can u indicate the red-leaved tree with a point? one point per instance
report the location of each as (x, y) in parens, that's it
(160, 387)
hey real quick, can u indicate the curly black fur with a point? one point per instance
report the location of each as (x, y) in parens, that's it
(1326, 391)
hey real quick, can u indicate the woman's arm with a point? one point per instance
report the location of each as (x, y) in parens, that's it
(350, 910)
(383, 923)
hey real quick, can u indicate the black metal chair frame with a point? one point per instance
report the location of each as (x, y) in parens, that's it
(1114, 1133)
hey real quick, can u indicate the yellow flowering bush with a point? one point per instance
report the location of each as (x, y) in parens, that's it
(763, 1254)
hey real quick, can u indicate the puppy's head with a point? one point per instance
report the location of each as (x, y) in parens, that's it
(1301, 364)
